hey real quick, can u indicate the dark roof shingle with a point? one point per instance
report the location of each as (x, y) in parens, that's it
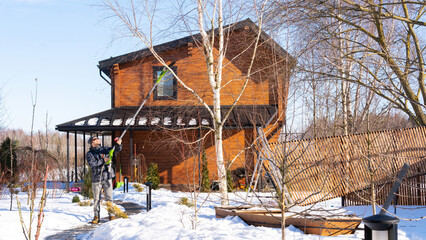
(106, 65)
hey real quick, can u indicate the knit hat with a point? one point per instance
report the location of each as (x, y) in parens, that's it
(91, 140)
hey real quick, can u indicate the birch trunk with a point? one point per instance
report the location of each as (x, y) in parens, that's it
(221, 169)
(215, 80)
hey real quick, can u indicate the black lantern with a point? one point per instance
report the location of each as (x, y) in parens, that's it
(380, 227)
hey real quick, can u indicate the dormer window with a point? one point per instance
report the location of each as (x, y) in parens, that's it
(167, 88)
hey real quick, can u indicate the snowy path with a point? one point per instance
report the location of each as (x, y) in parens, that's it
(83, 232)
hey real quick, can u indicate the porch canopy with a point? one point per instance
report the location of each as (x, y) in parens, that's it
(156, 118)
(168, 117)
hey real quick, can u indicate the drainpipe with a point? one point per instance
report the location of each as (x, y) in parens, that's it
(106, 80)
(109, 83)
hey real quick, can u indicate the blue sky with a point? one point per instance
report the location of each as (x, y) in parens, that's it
(59, 42)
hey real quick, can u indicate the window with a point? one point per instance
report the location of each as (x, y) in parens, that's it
(167, 88)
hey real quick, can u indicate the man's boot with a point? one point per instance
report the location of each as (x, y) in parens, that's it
(112, 218)
(95, 220)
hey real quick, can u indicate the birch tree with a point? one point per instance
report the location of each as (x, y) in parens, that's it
(210, 20)
(214, 74)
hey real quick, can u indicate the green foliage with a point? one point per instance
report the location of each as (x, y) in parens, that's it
(229, 180)
(8, 161)
(153, 176)
(205, 181)
(138, 187)
(185, 201)
(87, 190)
(75, 199)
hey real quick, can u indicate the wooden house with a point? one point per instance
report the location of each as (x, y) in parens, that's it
(168, 129)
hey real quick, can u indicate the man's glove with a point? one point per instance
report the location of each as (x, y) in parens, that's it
(107, 160)
(117, 141)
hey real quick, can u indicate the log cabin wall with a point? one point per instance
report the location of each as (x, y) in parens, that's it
(268, 85)
(178, 163)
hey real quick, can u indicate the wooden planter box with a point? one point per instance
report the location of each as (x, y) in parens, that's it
(327, 226)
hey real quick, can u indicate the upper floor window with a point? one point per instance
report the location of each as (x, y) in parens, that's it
(167, 88)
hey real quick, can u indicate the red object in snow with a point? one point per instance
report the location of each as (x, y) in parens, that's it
(75, 189)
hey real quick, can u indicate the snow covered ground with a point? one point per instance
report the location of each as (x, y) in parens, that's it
(169, 220)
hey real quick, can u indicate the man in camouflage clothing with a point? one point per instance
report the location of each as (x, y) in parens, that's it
(98, 159)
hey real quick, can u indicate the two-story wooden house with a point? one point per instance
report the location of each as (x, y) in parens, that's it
(173, 127)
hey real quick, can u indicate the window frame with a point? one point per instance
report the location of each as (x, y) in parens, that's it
(155, 69)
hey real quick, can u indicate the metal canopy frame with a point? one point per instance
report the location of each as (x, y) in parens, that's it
(157, 118)
(154, 118)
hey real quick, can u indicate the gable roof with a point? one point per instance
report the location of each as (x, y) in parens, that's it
(106, 65)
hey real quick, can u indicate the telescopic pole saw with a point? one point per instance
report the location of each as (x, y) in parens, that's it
(164, 71)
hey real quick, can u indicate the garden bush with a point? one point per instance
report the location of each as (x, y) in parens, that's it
(185, 201)
(138, 187)
(112, 208)
(75, 199)
(87, 191)
(153, 176)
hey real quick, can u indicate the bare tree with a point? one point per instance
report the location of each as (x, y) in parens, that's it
(379, 45)
(31, 184)
(210, 23)
(50, 148)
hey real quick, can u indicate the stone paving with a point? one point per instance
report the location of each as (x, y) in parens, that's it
(84, 231)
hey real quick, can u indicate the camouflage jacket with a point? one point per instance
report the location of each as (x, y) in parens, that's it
(95, 159)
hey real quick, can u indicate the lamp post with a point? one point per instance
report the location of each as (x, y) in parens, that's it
(126, 184)
(380, 227)
(148, 196)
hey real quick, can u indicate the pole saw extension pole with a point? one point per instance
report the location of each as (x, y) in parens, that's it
(162, 74)
(111, 152)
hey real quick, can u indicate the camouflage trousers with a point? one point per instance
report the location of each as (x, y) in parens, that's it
(97, 187)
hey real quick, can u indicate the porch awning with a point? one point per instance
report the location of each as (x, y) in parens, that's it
(169, 117)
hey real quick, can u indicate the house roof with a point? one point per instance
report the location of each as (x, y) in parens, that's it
(106, 65)
(169, 117)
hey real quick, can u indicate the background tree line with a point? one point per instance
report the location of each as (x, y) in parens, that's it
(49, 147)
(359, 62)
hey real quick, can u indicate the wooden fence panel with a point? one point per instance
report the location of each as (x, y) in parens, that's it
(325, 168)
